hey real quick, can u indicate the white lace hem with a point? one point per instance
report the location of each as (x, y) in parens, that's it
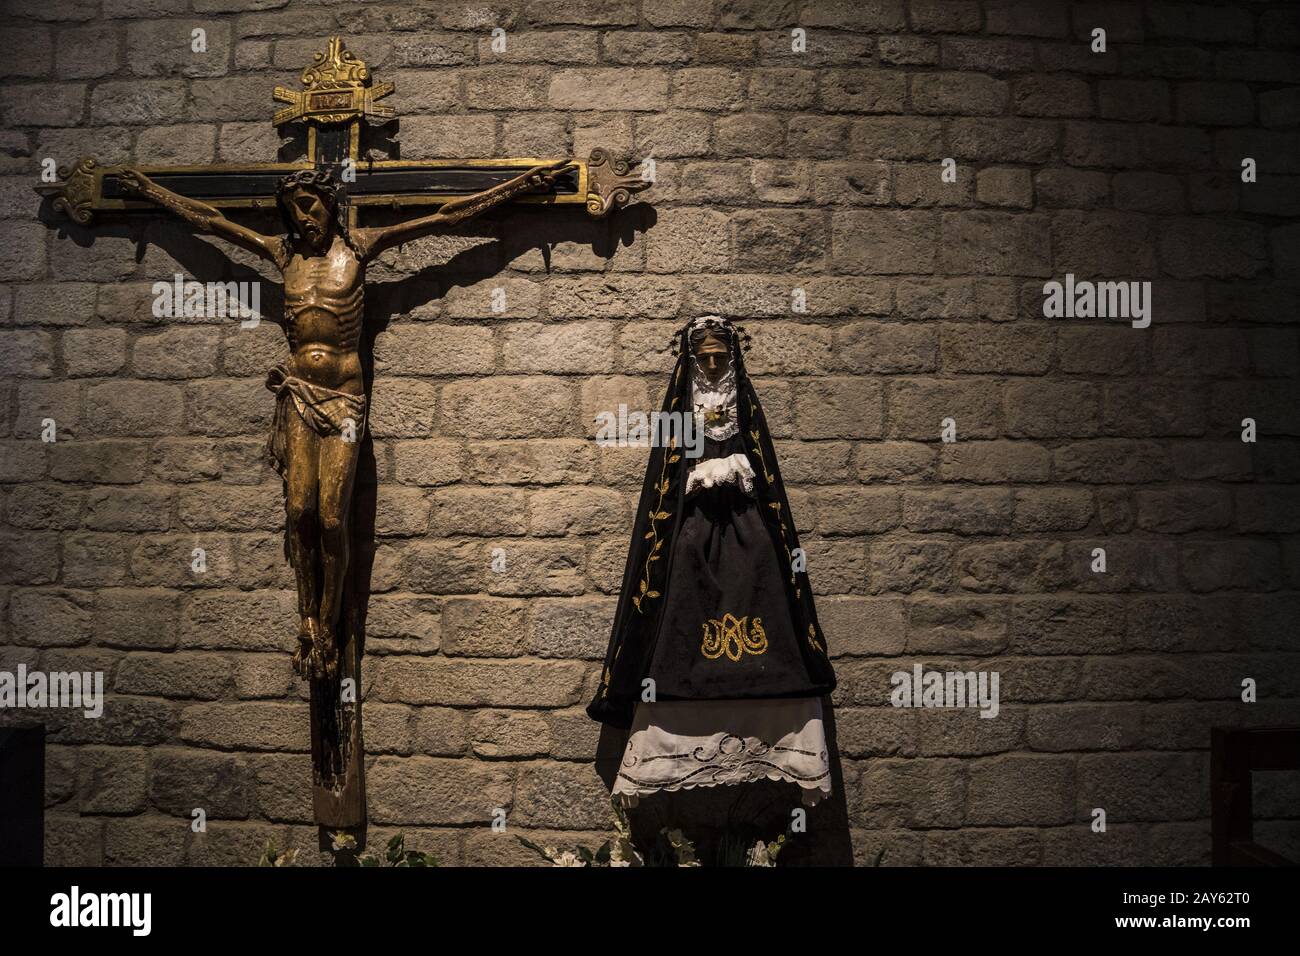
(678, 745)
(734, 469)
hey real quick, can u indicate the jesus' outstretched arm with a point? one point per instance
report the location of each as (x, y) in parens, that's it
(376, 240)
(201, 216)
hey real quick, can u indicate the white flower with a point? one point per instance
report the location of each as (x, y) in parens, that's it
(759, 856)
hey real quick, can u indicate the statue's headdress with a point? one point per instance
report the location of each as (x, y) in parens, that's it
(696, 331)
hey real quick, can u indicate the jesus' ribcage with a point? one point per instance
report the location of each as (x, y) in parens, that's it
(315, 316)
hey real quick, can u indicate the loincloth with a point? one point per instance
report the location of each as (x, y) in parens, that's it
(325, 410)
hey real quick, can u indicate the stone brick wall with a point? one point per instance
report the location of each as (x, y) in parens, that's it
(776, 170)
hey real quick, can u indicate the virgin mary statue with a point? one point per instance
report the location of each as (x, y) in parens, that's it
(716, 662)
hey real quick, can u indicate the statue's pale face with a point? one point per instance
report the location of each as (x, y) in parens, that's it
(312, 216)
(713, 358)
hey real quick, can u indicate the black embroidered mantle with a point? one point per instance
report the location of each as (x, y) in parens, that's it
(677, 628)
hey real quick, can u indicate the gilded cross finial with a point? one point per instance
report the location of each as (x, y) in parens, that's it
(336, 89)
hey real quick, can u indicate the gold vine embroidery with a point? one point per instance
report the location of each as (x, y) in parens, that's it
(774, 505)
(604, 674)
(812, 639)
(657, 514)
(734, 637)
(758, 445)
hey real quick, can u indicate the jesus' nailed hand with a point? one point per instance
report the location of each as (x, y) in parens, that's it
(321, 403)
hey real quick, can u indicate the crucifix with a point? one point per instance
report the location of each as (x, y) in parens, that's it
(321, 404)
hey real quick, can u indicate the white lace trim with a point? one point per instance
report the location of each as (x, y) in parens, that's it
(682, 745)
(720, 404)
(734, 469)
(808, 796)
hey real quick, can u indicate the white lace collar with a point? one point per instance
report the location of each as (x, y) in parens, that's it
(714, 403)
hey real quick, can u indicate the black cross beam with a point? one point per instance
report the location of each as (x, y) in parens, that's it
(336, 100)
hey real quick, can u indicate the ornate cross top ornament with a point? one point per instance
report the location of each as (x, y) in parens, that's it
(336, 89)
(321, 402)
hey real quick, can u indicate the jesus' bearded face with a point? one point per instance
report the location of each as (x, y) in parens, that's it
(312, 214)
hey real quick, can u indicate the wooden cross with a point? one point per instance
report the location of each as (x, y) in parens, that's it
(336, 100)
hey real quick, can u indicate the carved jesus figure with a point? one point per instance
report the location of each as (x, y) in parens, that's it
(320, 397)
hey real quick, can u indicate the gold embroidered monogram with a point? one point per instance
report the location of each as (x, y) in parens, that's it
(734, 637)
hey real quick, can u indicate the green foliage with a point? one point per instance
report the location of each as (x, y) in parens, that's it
(671, 847)
(395, 853)
(273, 857)
(343, 846)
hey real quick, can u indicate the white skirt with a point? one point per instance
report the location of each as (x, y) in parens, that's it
(682, 744)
